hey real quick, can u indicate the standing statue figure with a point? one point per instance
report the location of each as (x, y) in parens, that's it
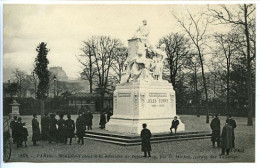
(143, 32)
(158, 62)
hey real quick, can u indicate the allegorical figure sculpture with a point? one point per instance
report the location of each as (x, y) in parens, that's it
(141, 66)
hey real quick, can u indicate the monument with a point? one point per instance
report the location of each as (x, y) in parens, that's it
(15, 109)
(144, 97)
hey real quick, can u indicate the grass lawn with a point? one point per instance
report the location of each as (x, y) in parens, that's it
(191, 151)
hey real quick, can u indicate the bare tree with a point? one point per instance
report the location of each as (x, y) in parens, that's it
(119, 59)
(177, 49)
(242, 16)
(88, 61)
(196, 30)
(20, 78)
(225, 50)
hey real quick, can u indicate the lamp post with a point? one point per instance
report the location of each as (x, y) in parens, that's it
(54, 83)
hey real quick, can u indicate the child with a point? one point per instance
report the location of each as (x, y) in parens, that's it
(24, 134)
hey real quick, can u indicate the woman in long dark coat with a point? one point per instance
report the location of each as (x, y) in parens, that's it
(81, 127)
(36, 130)
(53, 129)
(102, 121)
(61, 129)
(70, 127)
(227, 138)
(146, 145)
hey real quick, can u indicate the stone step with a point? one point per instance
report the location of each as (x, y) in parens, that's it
(136, 140)
(139, 142)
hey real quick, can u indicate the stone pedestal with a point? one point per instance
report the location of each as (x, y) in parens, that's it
(15, 109)
(135, 103)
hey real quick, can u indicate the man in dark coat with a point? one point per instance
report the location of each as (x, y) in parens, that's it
(175, 123)
(81, 127)
(61, 129)
(36, 134)
(215, 127)
(146, 145)
(233, 124)
(19, 132)
(227, 138)
(89, 118)
(45, 122)
(13, 126)
(102, 121)
(70, 127)
(52, 128)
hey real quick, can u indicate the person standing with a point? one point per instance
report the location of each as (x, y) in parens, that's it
(52, 128)
(36, 130)
(45, 122)
(102, 121)
(81, 127)
(146, 144)
(227, 138)
(175, 123)
(70, 127)
(13, 126)
(19, 132)
(89, 118)
(61, 128)
(25, 134)
(109, 114)
(215, 127)
(233, 124)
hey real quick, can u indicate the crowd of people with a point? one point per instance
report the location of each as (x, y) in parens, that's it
(62, 130)
(56, 130)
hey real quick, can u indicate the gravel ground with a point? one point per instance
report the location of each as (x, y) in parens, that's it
(191, 151)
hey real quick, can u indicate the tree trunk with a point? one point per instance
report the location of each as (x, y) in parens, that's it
(249, 79)
(205, 87)
(42, 108)
(90, 86)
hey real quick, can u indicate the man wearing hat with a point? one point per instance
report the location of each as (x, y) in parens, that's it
(36, 134)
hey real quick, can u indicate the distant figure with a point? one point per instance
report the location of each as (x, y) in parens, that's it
(36, 130)
(69, 129)
(227, 138)
(45, 122)
(233, 124)
(215, 127)
(81, 127)
(13, 126)
(19, 128)
(89, 118)
(25, 134)
(146, 145)
(61, 128)
(52, 128)
(102, 121)
(175, 123)
(109, 114)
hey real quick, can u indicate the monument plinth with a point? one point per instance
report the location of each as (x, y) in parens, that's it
(136, 103)
(15, 109)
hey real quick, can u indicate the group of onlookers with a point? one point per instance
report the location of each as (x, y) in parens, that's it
(57, 130)
(226, 139)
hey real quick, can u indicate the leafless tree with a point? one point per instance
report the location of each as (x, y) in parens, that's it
(177, 49)
(242, 16)
(119, 59)
(196, 28)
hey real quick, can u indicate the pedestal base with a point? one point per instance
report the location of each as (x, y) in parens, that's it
(141, 102)
(135, 126)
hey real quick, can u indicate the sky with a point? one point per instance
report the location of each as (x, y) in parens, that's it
(64, 27)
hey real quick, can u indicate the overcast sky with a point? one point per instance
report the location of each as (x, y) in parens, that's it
(64, 27)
